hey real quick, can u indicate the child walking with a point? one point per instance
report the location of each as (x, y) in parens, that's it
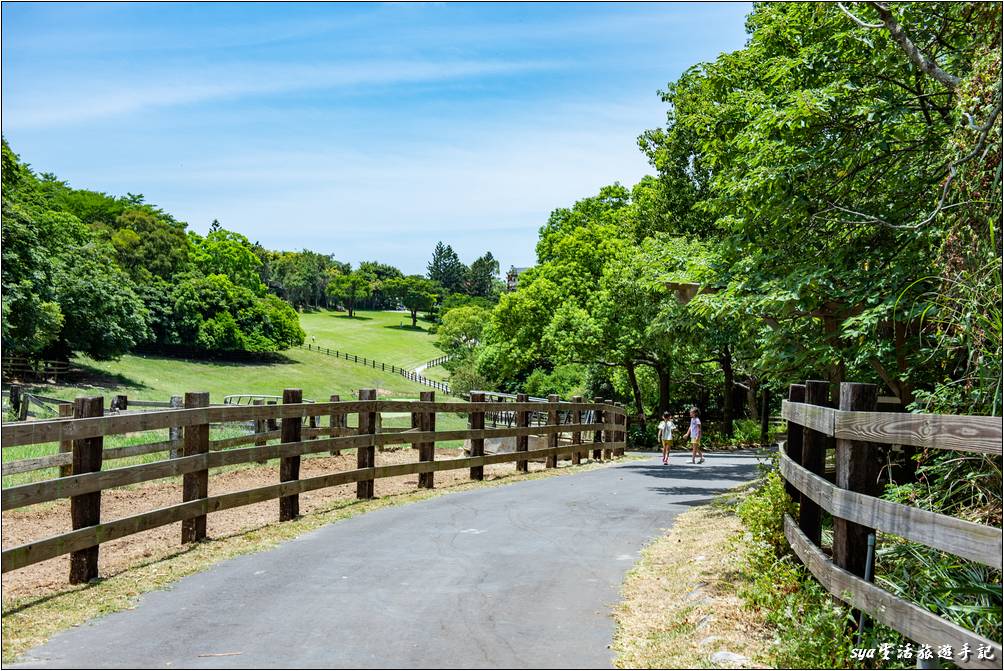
(666, 428)
(695, 438)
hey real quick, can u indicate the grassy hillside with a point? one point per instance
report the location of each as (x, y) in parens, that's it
(157, 378)
(375, 335)
(387, 337)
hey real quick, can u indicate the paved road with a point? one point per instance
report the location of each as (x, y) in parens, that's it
(518, 576)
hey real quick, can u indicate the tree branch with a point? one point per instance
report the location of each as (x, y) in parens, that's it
(856, 19)
(900, 37)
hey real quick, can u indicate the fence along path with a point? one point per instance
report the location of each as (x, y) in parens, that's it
(88, 427)
(855, 429)
(404, 372)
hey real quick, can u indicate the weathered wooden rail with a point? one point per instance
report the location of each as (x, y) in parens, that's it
(84, 433)
(855, 428)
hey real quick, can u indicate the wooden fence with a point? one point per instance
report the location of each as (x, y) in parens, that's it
(379, 365)
(38, 368)
(82, 436)
(854, 428)
(438, 361)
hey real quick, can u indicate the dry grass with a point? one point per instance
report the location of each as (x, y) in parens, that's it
(28, 621)
(680, 603)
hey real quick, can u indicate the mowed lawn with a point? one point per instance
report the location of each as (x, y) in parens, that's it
(387, 337)
(157, 378)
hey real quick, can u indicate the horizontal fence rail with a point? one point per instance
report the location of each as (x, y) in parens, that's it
(854, 430)
(940, 432)
(196, 455)
(53, 430)
(912, 621)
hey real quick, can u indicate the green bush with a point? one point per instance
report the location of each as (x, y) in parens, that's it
(763, 513)
(643, 437)
(813, 630)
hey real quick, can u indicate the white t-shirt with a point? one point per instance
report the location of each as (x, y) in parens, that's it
(666, 429)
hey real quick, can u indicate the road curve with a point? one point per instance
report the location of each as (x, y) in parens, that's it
(518, 576)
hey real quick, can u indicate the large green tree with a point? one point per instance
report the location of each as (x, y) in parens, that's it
(415, 292)
(446, 268)
(349, 289)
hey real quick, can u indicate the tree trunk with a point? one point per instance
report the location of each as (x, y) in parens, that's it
(751, 391)
(727, 409)
(414, 318)
(636, 392)
(839, 368)
(663, 374)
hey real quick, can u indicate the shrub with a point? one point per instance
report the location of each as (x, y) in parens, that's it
(763, 513)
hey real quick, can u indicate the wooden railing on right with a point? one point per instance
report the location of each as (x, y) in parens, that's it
(854, 428)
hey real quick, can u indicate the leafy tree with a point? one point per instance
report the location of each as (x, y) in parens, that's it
(482, 277)
(460, 330)
(415, 293)
(460, 300)
(146, 246)
(824, 139)
(102, 315)
(378, 273)
(349, 289)
(215, 315)
(228, 253)
(446, 268)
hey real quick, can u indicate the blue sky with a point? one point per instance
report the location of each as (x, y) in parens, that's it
(368, 131)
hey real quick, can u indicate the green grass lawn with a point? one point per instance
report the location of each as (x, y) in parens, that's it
(157, 378)
(387, 337)
(437, 373)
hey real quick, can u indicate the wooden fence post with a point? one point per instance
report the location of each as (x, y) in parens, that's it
(598, 434)
(66, 410)
(366, 456)
(477, 421)
(16, 400)
(522, 442)
(857, 471)
(577, 435)
(120, 402)
(174, 434)
(259, 427)
(272, 424)
(608, 435)
(426, 421)
(552, 438)
(289, 467)
(195, 485)
(335, 422)
(814, 443)
(85, 509)
(621, 435)
(793, 444)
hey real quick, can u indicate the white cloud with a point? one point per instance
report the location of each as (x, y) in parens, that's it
(75, 102)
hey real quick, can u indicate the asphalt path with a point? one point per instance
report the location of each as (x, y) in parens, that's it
(518, 576)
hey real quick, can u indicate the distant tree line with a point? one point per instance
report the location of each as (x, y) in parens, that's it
(89, 273)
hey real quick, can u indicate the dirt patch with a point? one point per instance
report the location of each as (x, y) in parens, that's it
(41, 521)
(681, 608)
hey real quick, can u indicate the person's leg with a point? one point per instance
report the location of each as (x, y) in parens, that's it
(700, 452)
(693, 451)
(665, 451)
